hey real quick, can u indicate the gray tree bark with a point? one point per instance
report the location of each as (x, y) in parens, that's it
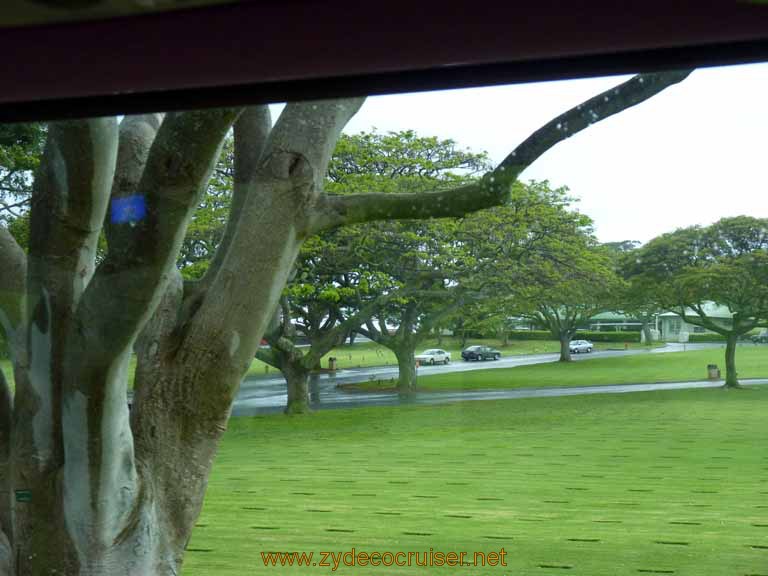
(731, 377)
(406, 366)
(565, 348)
(298, 390)
(647, 336)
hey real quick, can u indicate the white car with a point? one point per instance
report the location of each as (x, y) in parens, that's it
(433, 356)
(578, 346)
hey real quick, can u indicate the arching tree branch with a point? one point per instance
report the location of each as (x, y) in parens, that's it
(493, 188)
(251, 132)
(147, 228)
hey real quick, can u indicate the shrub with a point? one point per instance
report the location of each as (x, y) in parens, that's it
(593, 336)
(530, 335)
(706, 337)
(580, 335)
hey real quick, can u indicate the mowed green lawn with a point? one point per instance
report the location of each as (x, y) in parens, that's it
(371, 354)
(751, 362)
(646, 483)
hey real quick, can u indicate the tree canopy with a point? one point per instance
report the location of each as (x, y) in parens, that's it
(562, 294)
(725, 264)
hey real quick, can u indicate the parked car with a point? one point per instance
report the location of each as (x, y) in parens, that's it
(579, 346)
(760, 338)
(480, 353)
(434, 356)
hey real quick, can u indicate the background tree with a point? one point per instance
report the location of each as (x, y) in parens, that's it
(422, 267)
(328, 297)
(639, 298)
(345, 277)
(508, 246)
(417, 259)
(21, 146)
(206, 228)
(562, 293)
(112, 491)
(725, 263)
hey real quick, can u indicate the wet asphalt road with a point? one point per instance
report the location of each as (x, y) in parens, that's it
(264, 395)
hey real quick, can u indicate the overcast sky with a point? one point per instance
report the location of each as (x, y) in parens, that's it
(692, 154)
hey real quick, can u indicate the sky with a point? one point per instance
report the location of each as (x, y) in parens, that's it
(690, 155)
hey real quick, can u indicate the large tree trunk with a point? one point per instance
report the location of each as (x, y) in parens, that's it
(66, 523)
(406, 365)
(297, 379)
(647, 336)
(565, 349)
(731, 379)
(314, 388)
(176, 450)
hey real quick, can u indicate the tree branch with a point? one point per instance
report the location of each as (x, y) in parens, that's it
(251, 132)
(137, 133)
(435, 318)
(270, 230)
(493, 188)
(147, 228)
(336, 210)
(13, 263)
(154, 343)
(70, 194)
(10, 207)
(614, 100)
(701, 320)
(269, 357)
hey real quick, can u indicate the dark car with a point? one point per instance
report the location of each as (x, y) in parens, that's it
(480, 353)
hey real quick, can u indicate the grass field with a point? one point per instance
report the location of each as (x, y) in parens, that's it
(647, 483)
(371, 354)
(751, 362)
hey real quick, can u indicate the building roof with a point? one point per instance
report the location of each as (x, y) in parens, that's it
(711, 309)
(611, 316)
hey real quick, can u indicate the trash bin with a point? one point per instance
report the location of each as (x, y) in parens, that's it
(713, 372)
(332, 363)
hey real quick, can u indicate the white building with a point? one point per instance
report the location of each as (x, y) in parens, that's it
(674, 328)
